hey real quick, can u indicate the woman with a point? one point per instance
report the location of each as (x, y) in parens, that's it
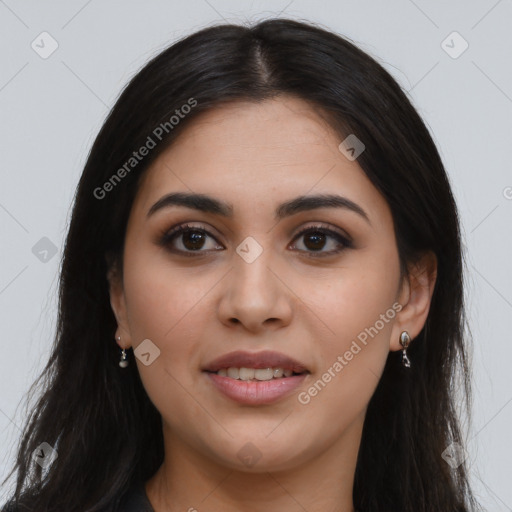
(264, 238)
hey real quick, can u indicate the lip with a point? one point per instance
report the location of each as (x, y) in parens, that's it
(256, 392)
(262, 359)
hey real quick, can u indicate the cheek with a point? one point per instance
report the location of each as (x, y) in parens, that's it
(167, 306)
(364, 288)
(161, 298)
(358, 309)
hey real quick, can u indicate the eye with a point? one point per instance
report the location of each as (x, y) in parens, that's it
(186, 239)
(318, 237)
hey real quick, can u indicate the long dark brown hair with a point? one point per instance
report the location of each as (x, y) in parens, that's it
(100, 420)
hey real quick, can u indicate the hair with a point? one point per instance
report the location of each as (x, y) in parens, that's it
(107, 432)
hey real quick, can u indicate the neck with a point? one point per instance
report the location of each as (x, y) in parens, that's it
(190, 481)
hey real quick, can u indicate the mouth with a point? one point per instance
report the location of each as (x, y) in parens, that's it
(265, 365)
(256, 374)
(255, 378)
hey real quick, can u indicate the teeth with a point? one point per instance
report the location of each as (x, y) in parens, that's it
(246, 373)
(264, 374)
(233, 373)
(278, 372)
(254, 374)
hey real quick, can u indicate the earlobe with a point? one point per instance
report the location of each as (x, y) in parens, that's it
(118, 305)
(416, 297)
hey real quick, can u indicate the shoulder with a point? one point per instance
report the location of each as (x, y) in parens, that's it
(135, 500)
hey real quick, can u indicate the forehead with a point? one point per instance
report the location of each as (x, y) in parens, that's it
(253, 154)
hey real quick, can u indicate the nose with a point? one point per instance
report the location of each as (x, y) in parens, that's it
(255, 295)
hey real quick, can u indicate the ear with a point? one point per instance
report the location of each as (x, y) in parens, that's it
(118, 304)
(415, 297)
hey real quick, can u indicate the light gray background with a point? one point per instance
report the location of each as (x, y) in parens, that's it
(51, 110)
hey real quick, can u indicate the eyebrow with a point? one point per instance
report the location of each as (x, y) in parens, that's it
(208, 204)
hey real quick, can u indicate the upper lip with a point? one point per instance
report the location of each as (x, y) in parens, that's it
(264, 359)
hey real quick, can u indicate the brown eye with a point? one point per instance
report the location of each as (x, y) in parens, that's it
(193, 239)
(316, 238)
(186, 239)
(315, 241)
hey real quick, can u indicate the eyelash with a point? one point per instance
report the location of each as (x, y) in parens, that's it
(169, 236)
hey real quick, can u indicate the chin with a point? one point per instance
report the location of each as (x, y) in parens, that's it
(258, 454)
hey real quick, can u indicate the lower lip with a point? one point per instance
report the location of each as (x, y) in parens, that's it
(256, 392)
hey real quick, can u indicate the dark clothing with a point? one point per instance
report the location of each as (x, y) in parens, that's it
(136, 500)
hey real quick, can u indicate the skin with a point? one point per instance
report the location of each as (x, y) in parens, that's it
(194, 309)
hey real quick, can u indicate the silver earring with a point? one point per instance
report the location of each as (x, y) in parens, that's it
(405, 339)
(123, 362)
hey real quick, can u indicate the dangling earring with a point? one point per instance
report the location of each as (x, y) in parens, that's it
(405, 339)
(123, 362)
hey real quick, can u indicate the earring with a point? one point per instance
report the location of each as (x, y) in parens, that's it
(405, 339)
(123, 362)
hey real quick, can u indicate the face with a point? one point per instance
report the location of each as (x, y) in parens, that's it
(263, 280)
